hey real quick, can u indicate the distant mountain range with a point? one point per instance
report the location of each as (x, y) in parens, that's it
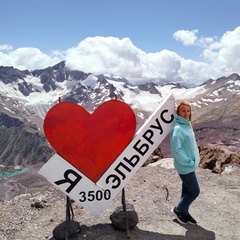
(26, 96)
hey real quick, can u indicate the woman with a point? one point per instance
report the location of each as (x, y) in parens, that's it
(186, 159)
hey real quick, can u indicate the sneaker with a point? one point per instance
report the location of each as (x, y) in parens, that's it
(181, 217)
(190, 219)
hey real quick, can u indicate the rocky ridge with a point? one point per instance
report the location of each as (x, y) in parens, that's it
(22, 143)
(219, 144)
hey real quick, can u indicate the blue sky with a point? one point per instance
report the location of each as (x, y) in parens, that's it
(35, 34)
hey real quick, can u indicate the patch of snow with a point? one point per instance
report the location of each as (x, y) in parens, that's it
(9, 110)
(181, 93)
(89, 81)
(237, 82)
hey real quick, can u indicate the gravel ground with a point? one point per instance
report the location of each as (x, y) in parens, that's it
(217, 209)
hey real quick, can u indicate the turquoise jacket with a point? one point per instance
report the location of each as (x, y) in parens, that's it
(183, 146)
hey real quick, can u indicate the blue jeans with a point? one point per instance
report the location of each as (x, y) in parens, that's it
(190, 191)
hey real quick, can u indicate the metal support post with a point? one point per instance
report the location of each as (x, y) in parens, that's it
(69, 215)
(125, 211)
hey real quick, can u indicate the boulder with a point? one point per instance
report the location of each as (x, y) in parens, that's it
(67, 228)
(118, 217)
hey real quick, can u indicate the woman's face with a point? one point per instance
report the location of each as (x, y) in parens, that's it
(184, 111)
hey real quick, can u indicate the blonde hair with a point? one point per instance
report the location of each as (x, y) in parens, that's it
(184, 102)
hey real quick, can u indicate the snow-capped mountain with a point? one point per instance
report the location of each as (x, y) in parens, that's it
(26, 96)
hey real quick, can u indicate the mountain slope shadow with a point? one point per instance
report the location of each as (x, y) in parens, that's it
(107, 232)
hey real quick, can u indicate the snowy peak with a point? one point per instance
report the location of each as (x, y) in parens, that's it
(34, 92)
(220, 90)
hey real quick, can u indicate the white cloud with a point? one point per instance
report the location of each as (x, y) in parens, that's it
(105, 54)
(224, 55)
(194, 72)
(5, 47)
(187, 37)
(27, 58)
(119, 56)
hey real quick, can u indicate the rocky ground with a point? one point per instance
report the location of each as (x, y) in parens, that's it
(217, 209)
(31, 208)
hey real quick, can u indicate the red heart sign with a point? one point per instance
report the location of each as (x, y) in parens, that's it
(90, 142)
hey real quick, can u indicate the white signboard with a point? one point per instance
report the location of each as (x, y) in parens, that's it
(96, 197)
